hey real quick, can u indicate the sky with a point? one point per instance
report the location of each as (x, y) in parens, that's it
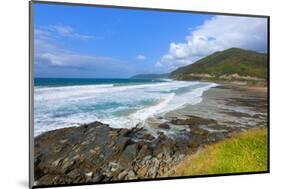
(95, 42)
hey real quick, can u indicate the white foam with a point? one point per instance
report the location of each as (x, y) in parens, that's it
(57, 107)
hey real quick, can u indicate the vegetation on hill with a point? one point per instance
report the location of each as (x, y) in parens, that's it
(231, 64)
(245, 152)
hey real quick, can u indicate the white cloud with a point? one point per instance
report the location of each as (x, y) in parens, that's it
(216, 34)
(53, 54)
(141, 57)
(65, 31)
(48, 50)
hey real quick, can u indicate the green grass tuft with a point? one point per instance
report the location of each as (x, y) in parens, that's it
(245, 152)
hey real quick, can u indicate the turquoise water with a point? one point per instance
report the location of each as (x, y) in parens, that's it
(118, 102)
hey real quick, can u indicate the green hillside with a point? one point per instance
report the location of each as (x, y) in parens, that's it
(233, 64)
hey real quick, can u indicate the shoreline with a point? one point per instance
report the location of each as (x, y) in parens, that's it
(95, 152)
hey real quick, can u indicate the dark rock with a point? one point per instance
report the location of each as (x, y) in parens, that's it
(144, 151)
(124, 132)
(164, 126)
(131, 150)
(179, 121)
(121, 143)
(128, 155)
(148, 137)
(194, 121)
(98, 177)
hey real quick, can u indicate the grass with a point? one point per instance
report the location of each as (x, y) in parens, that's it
(245, 152)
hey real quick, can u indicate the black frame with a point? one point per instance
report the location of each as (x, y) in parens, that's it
(31, 91)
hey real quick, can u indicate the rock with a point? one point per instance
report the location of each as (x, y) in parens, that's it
(121, 143)
(169, 160)
(56, 163)
(181, 156)
(74, 174)
(128, 155)
(144, 151)
(114, 167)
(196, 130)
(98, 177)
(148, 137)
(145, 160)
(142, 171)
(67, 165)
(164, 126)
(96, 153)
(131, 175)
(89, 174)
(194, 121)
(152, 172)
(178, 121)
(122, 175)
(124, 132)
(153, 168)
(131, 151)
(160, 155)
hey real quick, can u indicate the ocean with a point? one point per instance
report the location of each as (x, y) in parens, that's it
(121, 103)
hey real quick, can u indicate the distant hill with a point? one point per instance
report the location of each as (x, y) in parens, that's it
(233, 64)
(151, 76)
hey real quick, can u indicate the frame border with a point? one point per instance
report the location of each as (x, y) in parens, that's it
(31, 95)
(31, 90)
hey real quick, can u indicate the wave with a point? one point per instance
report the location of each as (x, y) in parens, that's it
(119, 106)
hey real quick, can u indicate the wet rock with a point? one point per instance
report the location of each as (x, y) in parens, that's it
(164, 126)
(195, 130)
(194, 121)
(148, 137)
(179, 121)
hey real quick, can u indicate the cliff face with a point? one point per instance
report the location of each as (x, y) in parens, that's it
(233, 64)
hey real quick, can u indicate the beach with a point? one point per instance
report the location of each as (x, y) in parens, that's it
(96, 152)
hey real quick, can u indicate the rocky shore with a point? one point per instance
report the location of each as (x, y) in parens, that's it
(95, 152)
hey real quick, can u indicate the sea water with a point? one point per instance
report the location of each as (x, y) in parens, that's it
(121, 103)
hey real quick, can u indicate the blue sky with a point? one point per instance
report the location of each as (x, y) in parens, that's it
(94, 42)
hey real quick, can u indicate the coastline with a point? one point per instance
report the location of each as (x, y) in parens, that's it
(95, 152)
